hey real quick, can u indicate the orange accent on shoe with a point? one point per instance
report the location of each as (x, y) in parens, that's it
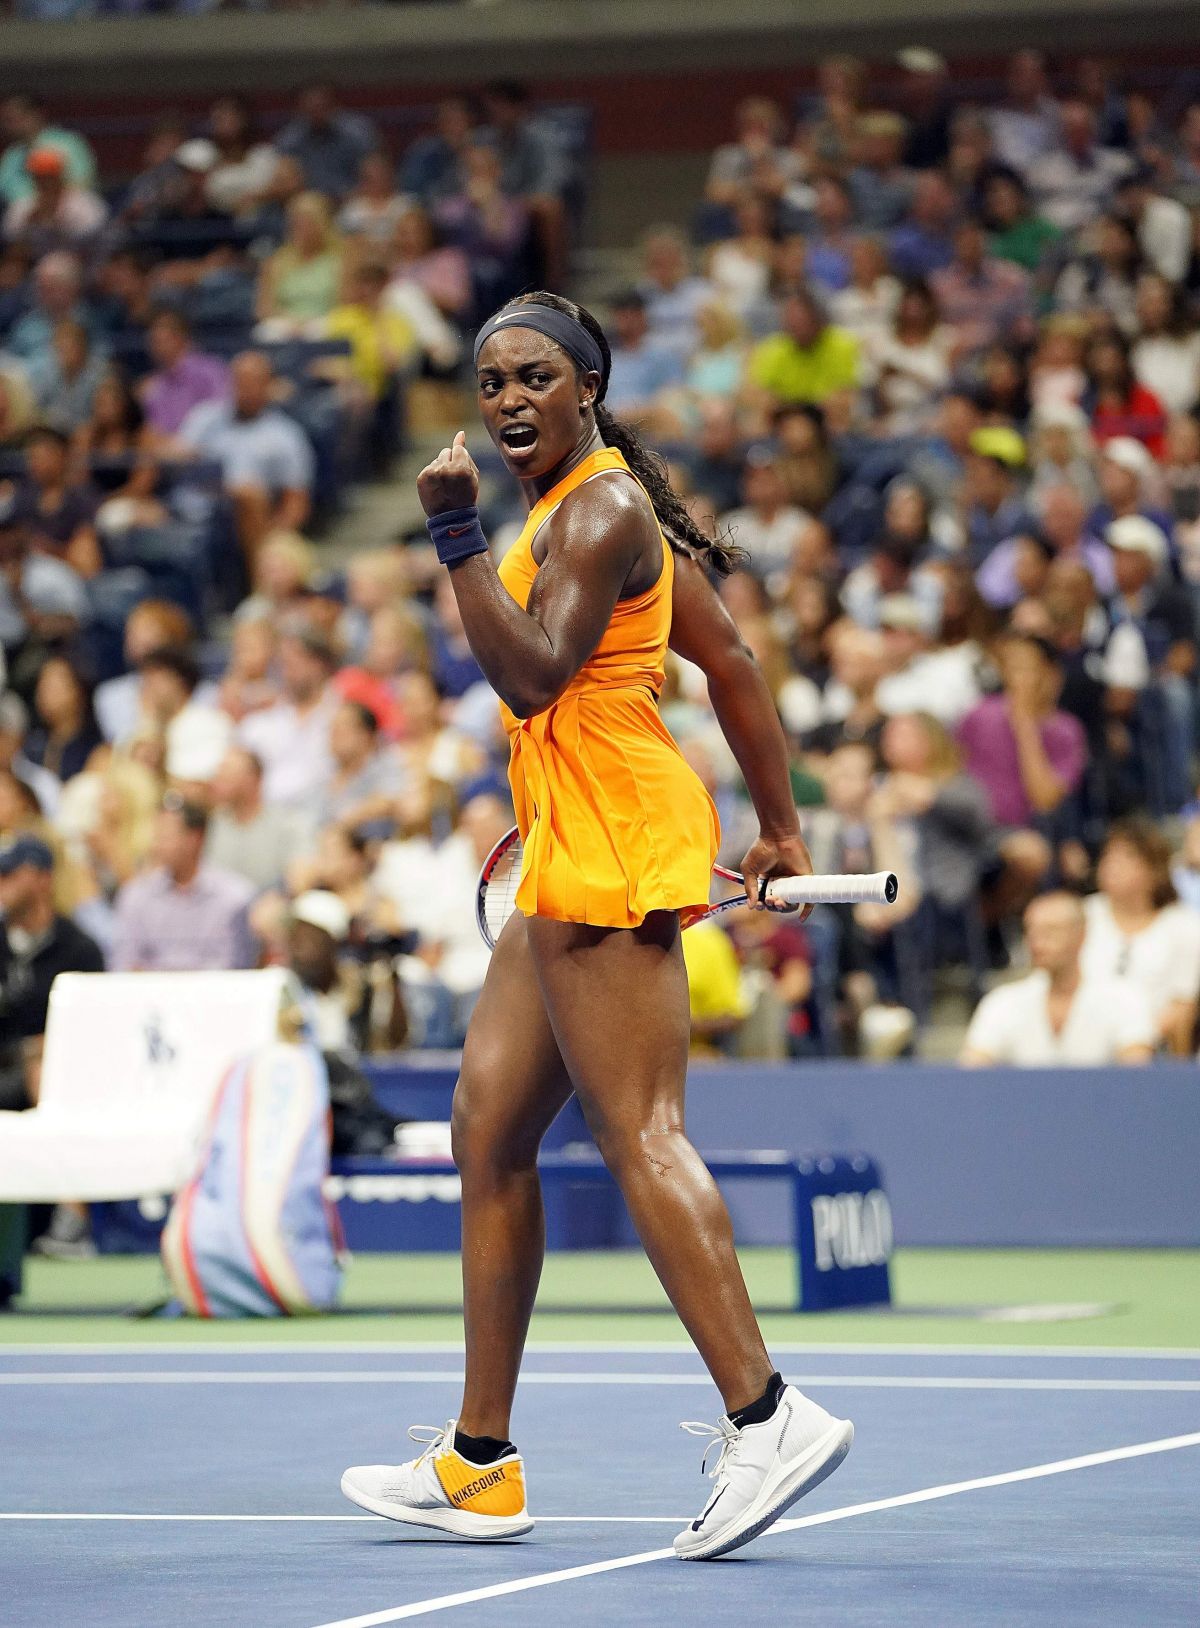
(483, 1489)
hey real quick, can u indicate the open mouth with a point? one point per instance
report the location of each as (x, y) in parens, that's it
(518, 439)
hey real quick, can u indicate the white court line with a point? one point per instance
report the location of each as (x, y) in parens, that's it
(425, 1376)
(443, 1602)
(335, 1348)
(542, 1520)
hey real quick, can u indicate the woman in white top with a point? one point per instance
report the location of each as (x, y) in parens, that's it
(868, 306)
(740, 267)
(1137, 930)
(245, 168)
(911, 363)
(1166, 356)
(373, 208)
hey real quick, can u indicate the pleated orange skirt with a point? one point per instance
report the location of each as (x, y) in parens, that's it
(615, 824)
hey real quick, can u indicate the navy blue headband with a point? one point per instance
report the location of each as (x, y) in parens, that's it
(572, 336)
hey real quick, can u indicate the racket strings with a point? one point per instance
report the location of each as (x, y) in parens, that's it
(500, 890)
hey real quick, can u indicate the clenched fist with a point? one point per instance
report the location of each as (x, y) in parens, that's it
(451, 481)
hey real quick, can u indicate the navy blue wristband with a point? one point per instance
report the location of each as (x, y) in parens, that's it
(457, 535)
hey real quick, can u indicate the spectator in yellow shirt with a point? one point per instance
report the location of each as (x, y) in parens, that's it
(809, 360)
(718, 999)
(382, 342)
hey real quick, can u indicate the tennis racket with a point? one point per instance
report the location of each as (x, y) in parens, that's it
(496, 895)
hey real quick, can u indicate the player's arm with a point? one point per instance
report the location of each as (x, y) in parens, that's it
(703, 632)
(530, 656)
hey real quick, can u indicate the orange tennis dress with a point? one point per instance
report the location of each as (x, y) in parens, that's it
(614, 822)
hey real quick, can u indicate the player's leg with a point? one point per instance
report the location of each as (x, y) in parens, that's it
(618, 1004)
(511, 1086)
(619, 1009)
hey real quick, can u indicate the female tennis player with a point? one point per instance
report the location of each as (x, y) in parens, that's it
(587, 991)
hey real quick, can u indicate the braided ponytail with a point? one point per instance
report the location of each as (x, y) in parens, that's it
(650, 469)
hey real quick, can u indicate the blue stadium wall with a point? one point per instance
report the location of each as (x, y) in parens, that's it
(990, 1158)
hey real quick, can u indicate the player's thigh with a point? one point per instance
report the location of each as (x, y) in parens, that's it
(618, 1005)
(513, 1080)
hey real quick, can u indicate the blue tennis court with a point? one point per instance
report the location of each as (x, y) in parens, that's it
(198, 1484)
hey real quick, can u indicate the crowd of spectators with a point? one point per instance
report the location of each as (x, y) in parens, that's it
(934, 367)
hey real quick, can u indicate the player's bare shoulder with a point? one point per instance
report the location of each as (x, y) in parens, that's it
(608, 516)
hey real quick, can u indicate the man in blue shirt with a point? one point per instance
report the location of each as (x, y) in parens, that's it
(642, 368)
(924, 242)
(330, 145)
(432, 166)
(265, 456)
(57, 292)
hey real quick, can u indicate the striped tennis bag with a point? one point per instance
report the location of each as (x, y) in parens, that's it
(251, 1234)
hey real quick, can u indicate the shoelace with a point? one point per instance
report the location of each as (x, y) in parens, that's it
(431, 1436)
(723, 1433)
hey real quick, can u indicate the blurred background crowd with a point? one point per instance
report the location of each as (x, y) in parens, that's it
(933, 365)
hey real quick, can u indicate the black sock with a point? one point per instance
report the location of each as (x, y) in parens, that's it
(759, 1412)
(482, 1449)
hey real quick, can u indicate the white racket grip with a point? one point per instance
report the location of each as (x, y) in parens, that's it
(881, 887)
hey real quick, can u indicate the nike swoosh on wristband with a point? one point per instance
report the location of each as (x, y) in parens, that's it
(457, 531)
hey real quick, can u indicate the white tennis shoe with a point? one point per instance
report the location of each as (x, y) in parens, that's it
(444, 1490)
(762, 1470)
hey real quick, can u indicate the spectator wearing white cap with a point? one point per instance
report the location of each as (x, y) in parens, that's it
(1153, 643)
(183, 197)
(1145, 597)
(1061, 1015)
(318, 926)
(1129, 484)
(1060, 451)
